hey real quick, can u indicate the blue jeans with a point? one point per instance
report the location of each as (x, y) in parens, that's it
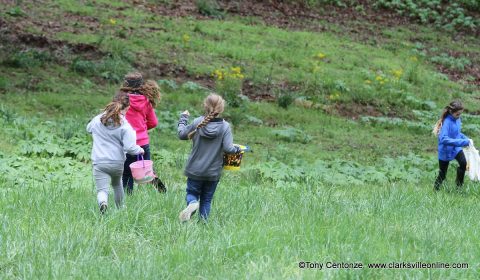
(201, 191)
(127, 177)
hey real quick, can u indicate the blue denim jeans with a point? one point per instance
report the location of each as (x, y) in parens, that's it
(201, 191)
(127, 177)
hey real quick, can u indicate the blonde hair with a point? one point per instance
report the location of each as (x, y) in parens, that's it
(451, 108)
(112, 110)
(133, 83)
(214, 105)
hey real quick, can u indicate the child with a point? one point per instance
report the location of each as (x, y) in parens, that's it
(211, 137)
(450, 142)
(112, 137)
(142, 117)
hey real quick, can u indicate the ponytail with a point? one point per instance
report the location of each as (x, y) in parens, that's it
(113, 109)
(438, 125)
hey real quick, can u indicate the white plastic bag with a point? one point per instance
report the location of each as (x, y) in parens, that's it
(473, 162)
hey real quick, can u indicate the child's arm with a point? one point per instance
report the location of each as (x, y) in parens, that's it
(129, 139)
(183, 128)
(90, 126)
(444, 139)
(152, 120)
(228, 146)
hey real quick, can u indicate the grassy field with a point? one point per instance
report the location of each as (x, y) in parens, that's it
(342, 167)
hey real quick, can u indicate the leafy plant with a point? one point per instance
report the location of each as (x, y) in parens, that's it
(284, 99)
(209, 8)
(291, 134)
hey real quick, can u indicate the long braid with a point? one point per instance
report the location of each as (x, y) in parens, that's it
(213, 105)
(203, 123)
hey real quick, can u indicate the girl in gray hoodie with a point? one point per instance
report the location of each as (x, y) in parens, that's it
(211, 137)
(112, 138)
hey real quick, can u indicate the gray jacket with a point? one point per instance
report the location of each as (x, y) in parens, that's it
(110, 143)
(209, 143)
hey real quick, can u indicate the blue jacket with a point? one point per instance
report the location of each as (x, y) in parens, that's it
(450, 139)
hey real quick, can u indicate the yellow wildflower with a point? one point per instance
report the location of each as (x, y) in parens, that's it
(112, 21)
(320, 55)
(414, 58)
(236, 70)
(397, 73)
(186, 38)
(378, 78)
(368, 81)
(218, 74)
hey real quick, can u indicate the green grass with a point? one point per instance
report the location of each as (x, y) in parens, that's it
(255, 231)
(318, 187)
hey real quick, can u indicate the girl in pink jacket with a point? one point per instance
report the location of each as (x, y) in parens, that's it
(141, 116)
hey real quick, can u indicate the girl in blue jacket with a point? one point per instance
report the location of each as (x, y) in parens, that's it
(450, 142)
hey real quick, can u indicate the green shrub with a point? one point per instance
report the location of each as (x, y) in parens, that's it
(451, 62)
(291, 134)
(210, 8)
(450, 15)
(28, 59)
(284, 99)
(83, 66)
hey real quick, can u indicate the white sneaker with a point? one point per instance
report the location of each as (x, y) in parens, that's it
(187, 212)
(103, 208)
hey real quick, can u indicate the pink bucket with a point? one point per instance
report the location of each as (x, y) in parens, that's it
(142, 171)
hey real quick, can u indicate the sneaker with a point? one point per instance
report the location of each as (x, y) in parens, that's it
(158, 184)
(187, 212)
(103, 208)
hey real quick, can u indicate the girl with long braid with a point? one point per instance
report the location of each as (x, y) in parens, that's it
(450, 143)
(211, 137)
(112, 138)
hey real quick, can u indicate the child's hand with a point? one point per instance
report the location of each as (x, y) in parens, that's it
(142, 151)
(186, 113)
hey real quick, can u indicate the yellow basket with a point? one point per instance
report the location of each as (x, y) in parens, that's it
(233, 161)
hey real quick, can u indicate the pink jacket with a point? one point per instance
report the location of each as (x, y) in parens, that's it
(141, 117)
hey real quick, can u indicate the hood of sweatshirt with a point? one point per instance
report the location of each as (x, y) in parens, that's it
(138, 102)
(214, 128)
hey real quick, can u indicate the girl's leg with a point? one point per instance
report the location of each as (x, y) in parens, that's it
(206, 198)
(102, 182)
(193, 195)
(117, 184)
(443, 165)
(462, 167)
(194, 188)
(127, 178)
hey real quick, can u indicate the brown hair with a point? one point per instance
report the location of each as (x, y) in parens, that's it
(451, 108)
(133, 82)
(214, 105)
(112, 110)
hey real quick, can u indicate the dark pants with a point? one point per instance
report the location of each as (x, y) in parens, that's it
(202, 191)
(127, 177)
(462, 166)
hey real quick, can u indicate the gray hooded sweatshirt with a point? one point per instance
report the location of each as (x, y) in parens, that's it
(209, 143)
(110, 142)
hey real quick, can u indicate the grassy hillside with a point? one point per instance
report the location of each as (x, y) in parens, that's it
(343, 162)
